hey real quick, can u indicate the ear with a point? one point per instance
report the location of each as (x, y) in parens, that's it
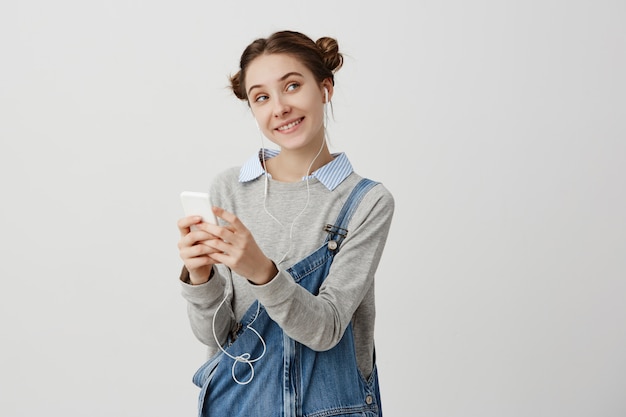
(328, 85)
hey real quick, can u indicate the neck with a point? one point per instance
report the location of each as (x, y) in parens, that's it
(292, 165)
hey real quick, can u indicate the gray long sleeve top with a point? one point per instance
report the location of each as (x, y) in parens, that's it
(347, 294)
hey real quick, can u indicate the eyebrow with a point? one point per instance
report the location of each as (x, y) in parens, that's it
(283, 78)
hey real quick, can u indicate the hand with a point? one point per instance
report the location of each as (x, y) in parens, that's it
(234, 246)
(193, 249)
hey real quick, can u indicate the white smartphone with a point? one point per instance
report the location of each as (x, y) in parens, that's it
(198, 204)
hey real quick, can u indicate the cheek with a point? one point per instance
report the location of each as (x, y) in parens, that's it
(318, 109)
(260, 115)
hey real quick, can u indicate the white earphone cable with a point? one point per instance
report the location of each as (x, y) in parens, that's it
(245, 357)
(308, 194)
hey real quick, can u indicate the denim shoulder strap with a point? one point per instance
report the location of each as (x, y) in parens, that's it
(339, 231)
(336, 233)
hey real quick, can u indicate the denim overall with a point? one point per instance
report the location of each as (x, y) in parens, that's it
(289, 379)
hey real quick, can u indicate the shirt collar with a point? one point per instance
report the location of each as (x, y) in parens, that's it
(331, 175)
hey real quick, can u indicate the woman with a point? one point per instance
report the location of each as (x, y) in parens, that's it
(282, 290)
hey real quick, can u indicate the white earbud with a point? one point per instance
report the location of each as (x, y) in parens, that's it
(326, 94)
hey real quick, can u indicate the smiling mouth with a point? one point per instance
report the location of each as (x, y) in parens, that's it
(290, 125)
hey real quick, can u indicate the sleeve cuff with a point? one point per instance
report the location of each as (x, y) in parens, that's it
(275, 292)
(205, 293)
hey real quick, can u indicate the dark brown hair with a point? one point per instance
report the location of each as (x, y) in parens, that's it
(322, 57)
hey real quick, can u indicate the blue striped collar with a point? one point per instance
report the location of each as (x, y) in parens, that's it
(331, 175)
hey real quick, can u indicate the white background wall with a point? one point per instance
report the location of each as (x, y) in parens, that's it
(498, 125)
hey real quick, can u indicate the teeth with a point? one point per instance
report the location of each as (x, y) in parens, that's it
(290, 125)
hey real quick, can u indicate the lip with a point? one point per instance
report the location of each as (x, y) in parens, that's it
(287, 123)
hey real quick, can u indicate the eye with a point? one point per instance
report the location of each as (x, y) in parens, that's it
(293, 86)
(260, 98)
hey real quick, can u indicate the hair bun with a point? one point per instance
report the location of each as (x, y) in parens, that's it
(329, 48)
(236, 86)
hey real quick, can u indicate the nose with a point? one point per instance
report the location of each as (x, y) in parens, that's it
(280, 107)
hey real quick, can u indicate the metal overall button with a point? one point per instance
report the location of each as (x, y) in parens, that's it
(334, 231)
(369, 400)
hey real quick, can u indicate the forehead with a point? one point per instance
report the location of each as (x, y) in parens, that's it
(269, 68)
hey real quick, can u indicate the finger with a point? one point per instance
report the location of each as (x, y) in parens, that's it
(218, 246)
(209, 228)
(230, 218)
(196, 251)
(220, 258)
(184, 224)
(195, 263)
(210, 246)
(193, 238)
(234, 229)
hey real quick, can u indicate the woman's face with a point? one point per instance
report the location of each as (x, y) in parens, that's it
(287, 101)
